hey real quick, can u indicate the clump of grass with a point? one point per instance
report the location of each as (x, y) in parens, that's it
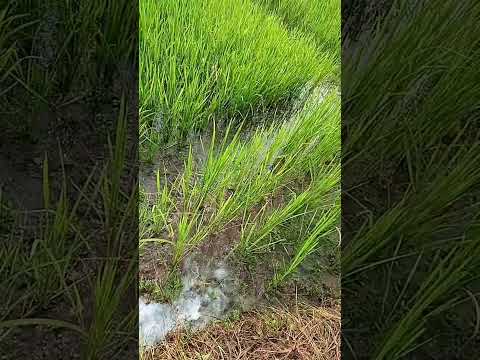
(320, 19)
(162, 291)
(257, 238)
(36, 274)
(418, 118)
(257, 235)
(318, 236)
(197, 65)
(437, 292)
(242, 174)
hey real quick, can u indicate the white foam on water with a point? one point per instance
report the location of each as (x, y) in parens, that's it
(207, 295)
(155, 321)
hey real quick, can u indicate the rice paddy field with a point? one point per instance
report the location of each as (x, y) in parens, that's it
(240, 178)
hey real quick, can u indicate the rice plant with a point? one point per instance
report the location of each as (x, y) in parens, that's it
(252, 170)
(240, 131)
(196, 65)
(417, 118)
(38, 273)
(324, 225)
(319, 19)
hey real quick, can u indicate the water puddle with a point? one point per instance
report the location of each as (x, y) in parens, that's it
(209, 293)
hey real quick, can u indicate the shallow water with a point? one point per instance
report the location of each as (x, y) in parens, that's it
(209, 292)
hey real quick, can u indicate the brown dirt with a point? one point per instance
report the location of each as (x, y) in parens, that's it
(220, 244)
(154, 263)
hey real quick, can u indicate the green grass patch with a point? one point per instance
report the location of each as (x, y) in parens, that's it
(239, 179)
(213, 59)
(318, 19)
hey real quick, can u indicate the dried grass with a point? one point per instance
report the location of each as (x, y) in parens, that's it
(306, 332)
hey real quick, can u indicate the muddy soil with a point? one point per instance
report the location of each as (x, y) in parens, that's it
(250, 279)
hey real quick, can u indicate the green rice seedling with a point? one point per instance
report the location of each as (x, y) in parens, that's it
(187, 182)
(51, 257)
(13, 275)
(10, 56)
(111, 285)
(163, 207)
(244, 186)
(420, 92)
(67, 32)
(196, 65)
(144, 215)
(258, 238)
(184, 231)
(419, 117)
(117, 271)
(118, 205)
(154, 216)
(117, 41)
(148, 140)
(164, 291)
(254, 169)
(36, 273)
(413, 215)
(219, 158)
(324, 224)
(276, 153)
(415, 223)
(320, 19)
(36, 46)
(189, 234)
(306, 136)
(107, 42)
(324, 180)
(17, 278)
(450, 273)
(149, 286)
